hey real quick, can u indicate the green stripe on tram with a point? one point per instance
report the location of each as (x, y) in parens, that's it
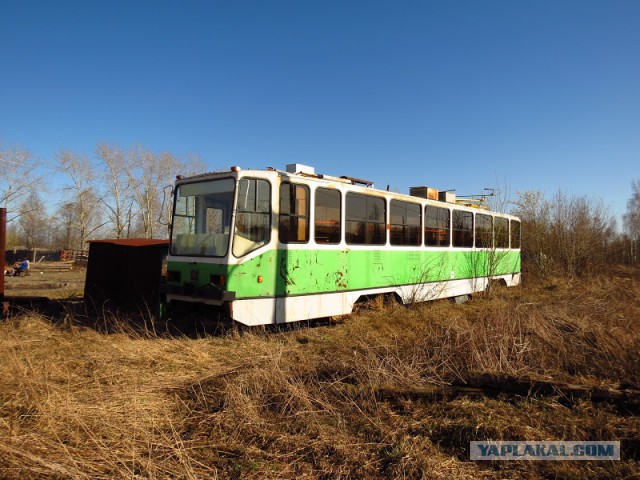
(303, 272)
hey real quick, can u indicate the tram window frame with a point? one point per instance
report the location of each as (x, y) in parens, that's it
(361, 215)
(290, 214)
(403, 231)
(501, 234)
(436, 234)
(250, 219)
(484, 230)
(462, 237)
(327, 226)
(518, 236)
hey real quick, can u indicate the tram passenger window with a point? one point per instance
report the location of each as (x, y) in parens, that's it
(253, 216)
(515, 234)
(405, 223)
(327, 216)
(484, 231)
(462, 229)
(501, 231)
(365, 220)
(436, 226)
(294, 213)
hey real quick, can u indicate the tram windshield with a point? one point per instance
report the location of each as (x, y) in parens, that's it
(202, 218)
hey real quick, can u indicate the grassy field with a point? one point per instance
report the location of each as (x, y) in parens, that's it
(372, 395)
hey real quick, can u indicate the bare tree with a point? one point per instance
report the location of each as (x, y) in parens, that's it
(18, 178)
(193, 165)
(118, 194)
(535, 212)
(135, 184)
(65, 234)
(33, 223)
(151, 174)
(581, 228)
(570, 233)
(632, 217)
(67, 228)
(80, 210)
(632, 224)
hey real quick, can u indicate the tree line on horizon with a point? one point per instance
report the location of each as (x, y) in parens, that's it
(122, 193)
(573, 235)
(117, 193)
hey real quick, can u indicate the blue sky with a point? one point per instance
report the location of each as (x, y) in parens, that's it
(537, 95)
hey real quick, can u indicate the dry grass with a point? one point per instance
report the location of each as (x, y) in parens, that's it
(306, 403)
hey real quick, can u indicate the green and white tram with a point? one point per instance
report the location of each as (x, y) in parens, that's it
(271, 246)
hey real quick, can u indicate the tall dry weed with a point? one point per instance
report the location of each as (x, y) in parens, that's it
(120, 402)
(85, 405)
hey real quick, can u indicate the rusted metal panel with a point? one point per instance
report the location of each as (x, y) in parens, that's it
(3, 245)
(124, 275)
(448, 197)
(424, 192)
(360, 181)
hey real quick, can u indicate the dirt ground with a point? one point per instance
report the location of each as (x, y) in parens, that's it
(47, 282)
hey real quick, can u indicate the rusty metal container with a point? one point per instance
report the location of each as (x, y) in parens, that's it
(424, 192)
(448, 197)
(3, 239)
(124, 275)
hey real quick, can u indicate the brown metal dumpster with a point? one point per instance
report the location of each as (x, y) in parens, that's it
(124, 275)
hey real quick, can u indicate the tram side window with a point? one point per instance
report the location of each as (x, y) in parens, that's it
(294, 213)
(253, 216)
(405, 223)
(327, 216)
(462, 229)
(501, 229)
(484, 231)
(436, 226)
(365, 220)
(515, 234)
